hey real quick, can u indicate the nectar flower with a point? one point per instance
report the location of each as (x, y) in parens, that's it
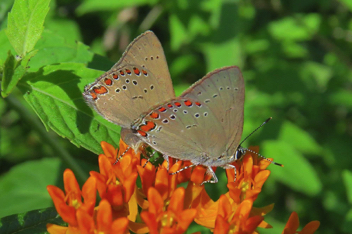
(167, 218)
(236, 218)
(69, 202)
(103, 223)
(163, 207)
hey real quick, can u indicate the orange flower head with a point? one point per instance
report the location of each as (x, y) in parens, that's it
(69, 202)
(167, 217)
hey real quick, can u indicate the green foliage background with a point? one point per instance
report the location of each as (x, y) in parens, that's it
(296, 61)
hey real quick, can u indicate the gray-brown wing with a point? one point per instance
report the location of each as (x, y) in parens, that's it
(199, 123)
(132, 86)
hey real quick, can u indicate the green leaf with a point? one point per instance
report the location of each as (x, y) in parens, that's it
(342, 97)
(217, 55)
(347, 3)
(64, 28)
(5, 6)
(347, 179)
(23, 188)
(55, 94)
(55, 48)
(13, 70)
(31, 222)
(110, 5)
(295, 28)
(25, 24)
(298, 138)
(297, 173)
(4, 46)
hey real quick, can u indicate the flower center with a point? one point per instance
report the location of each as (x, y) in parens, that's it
(167, 220)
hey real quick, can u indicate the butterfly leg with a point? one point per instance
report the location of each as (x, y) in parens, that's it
(212, 173)
(228, 166)
(185, 168)
(149, 157)
(123, 154)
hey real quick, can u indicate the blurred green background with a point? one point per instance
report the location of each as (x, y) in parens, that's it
(296, 61)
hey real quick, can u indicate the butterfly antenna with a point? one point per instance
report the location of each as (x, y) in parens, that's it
(278, 164)
(275, 163)
(256, 130)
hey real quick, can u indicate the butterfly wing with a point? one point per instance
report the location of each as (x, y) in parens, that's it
(205, 122)
(133, 85)
(223, 92)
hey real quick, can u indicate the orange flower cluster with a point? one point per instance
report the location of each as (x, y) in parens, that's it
(159, 205)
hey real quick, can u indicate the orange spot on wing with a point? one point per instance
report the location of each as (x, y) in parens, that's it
(108, 81)
(154, 115)
(136, 71)
(198, 104)
(177, 104)
(169, 105)
(94, 96)
(162, 109)
(115, 76)
(122, 73)
(148, 126)
(145, 72)
(142, 133)
(188, 103)
(128, 71)
(100, 90)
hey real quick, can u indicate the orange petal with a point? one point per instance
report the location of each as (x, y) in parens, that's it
(263, 210)
(310, 228)
(126, 166)
(67, 213)
(85, 222)
(206, 216)
(198, 174)
(71, 186)
(293, 222)
(193, 192)
(176, 201)
(56, 229)
(147, 175)
(225, 208)
(221, 226)
(114, 195)
(105, 168)
(150, 220)
(185, 218)
(184, 175)
(133, 206)
(156, 202)
(100, 183)
(109, 150)
(260, 178)
(144, 204)
(129, 186)
(234, 192)
(252, 223)
(119, 225)
(162, 182)
(243, 210)
(104, 217)
(123, 146)
(248, 165)
(252, 194)
(138, 227)
(89, 193)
